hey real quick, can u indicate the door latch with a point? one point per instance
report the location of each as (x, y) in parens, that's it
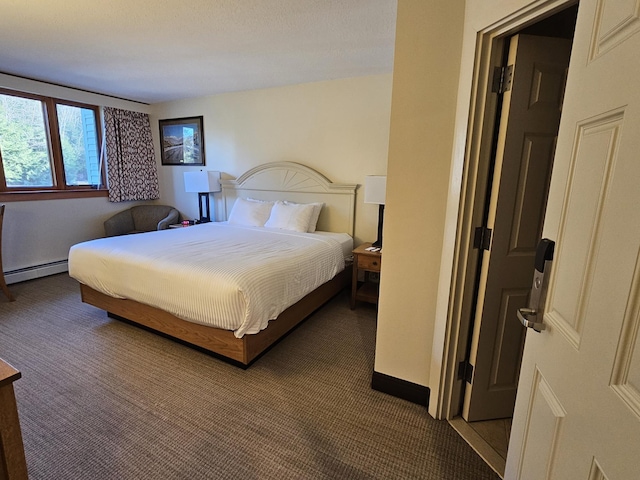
(529, 316)
(525, 314)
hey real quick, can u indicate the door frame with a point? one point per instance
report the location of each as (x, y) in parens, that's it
(489, 53)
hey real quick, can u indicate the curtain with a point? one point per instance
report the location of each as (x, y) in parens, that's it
(132, 171)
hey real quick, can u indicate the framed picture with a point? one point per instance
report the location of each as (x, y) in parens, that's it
(181, 141)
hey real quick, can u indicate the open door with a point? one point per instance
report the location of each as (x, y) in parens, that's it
(577, 413)
(526, 141)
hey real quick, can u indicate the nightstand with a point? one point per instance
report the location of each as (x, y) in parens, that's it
(366, 262)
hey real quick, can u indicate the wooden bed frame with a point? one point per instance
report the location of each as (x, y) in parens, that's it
(280, 180)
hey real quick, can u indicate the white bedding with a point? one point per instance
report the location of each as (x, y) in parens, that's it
(226, 276)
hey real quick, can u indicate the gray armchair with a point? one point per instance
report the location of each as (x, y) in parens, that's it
(141, 218)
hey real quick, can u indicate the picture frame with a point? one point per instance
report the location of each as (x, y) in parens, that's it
(182, 141)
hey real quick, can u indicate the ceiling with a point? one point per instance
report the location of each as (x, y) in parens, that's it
(159, 50)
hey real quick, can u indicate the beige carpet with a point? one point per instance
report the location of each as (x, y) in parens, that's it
(101, 399)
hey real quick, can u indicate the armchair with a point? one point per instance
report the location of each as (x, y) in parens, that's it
(141, 218)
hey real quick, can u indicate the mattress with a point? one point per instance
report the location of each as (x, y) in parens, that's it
(225, 276)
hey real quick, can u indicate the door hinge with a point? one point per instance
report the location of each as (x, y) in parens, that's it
(502, 78)
(482, 238)
(465, 371)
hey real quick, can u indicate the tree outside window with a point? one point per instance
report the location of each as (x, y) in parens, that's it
(48, 144)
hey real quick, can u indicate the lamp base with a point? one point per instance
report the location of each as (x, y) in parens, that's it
(203, 200)
(378, 242)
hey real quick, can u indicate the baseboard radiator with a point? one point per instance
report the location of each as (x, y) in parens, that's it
(36, 271)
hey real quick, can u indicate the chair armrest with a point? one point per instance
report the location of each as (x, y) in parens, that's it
(170, 219)
(120, 224)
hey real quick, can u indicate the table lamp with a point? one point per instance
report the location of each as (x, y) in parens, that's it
(375, 187)
(202, 182)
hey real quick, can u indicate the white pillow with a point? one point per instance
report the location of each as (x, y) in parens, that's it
(287, 216)
(317, 208)
(250, 213)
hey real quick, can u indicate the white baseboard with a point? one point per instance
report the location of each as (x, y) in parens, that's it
(37, 271)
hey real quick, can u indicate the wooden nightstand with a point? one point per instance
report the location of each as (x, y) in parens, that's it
(367, 262)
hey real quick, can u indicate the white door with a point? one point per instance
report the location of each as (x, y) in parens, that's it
(577, 412)
(529, 124)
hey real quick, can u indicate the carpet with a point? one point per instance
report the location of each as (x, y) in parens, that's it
(102, 399)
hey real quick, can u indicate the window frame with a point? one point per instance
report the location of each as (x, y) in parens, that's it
(59, 189)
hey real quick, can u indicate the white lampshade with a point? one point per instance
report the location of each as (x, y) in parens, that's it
(202, 181)
(375, 188)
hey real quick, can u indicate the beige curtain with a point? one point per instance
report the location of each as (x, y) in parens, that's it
(132, 171)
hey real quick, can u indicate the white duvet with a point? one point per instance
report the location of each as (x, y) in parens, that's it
(226, 276)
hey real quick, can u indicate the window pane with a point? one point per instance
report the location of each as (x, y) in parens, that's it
(79, 140)
(23, 142)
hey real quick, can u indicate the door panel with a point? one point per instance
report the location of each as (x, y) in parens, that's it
(589, 354)
(504, 372)
(528, 217)
(586, 191)
(546, 417)
(526, 140)
(625, 378)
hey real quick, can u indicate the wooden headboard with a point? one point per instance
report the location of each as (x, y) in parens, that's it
(296, 183)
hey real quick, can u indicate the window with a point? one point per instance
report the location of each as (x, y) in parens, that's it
(48, 145)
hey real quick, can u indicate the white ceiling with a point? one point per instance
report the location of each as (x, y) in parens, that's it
(159, 50)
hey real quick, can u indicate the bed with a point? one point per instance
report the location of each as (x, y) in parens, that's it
(232, 288)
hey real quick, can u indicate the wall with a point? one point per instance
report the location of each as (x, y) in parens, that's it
(42, 231)
(426, 69)
(339, 127)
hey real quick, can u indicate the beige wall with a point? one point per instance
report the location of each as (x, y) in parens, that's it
(339, 127)
(427, 60)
